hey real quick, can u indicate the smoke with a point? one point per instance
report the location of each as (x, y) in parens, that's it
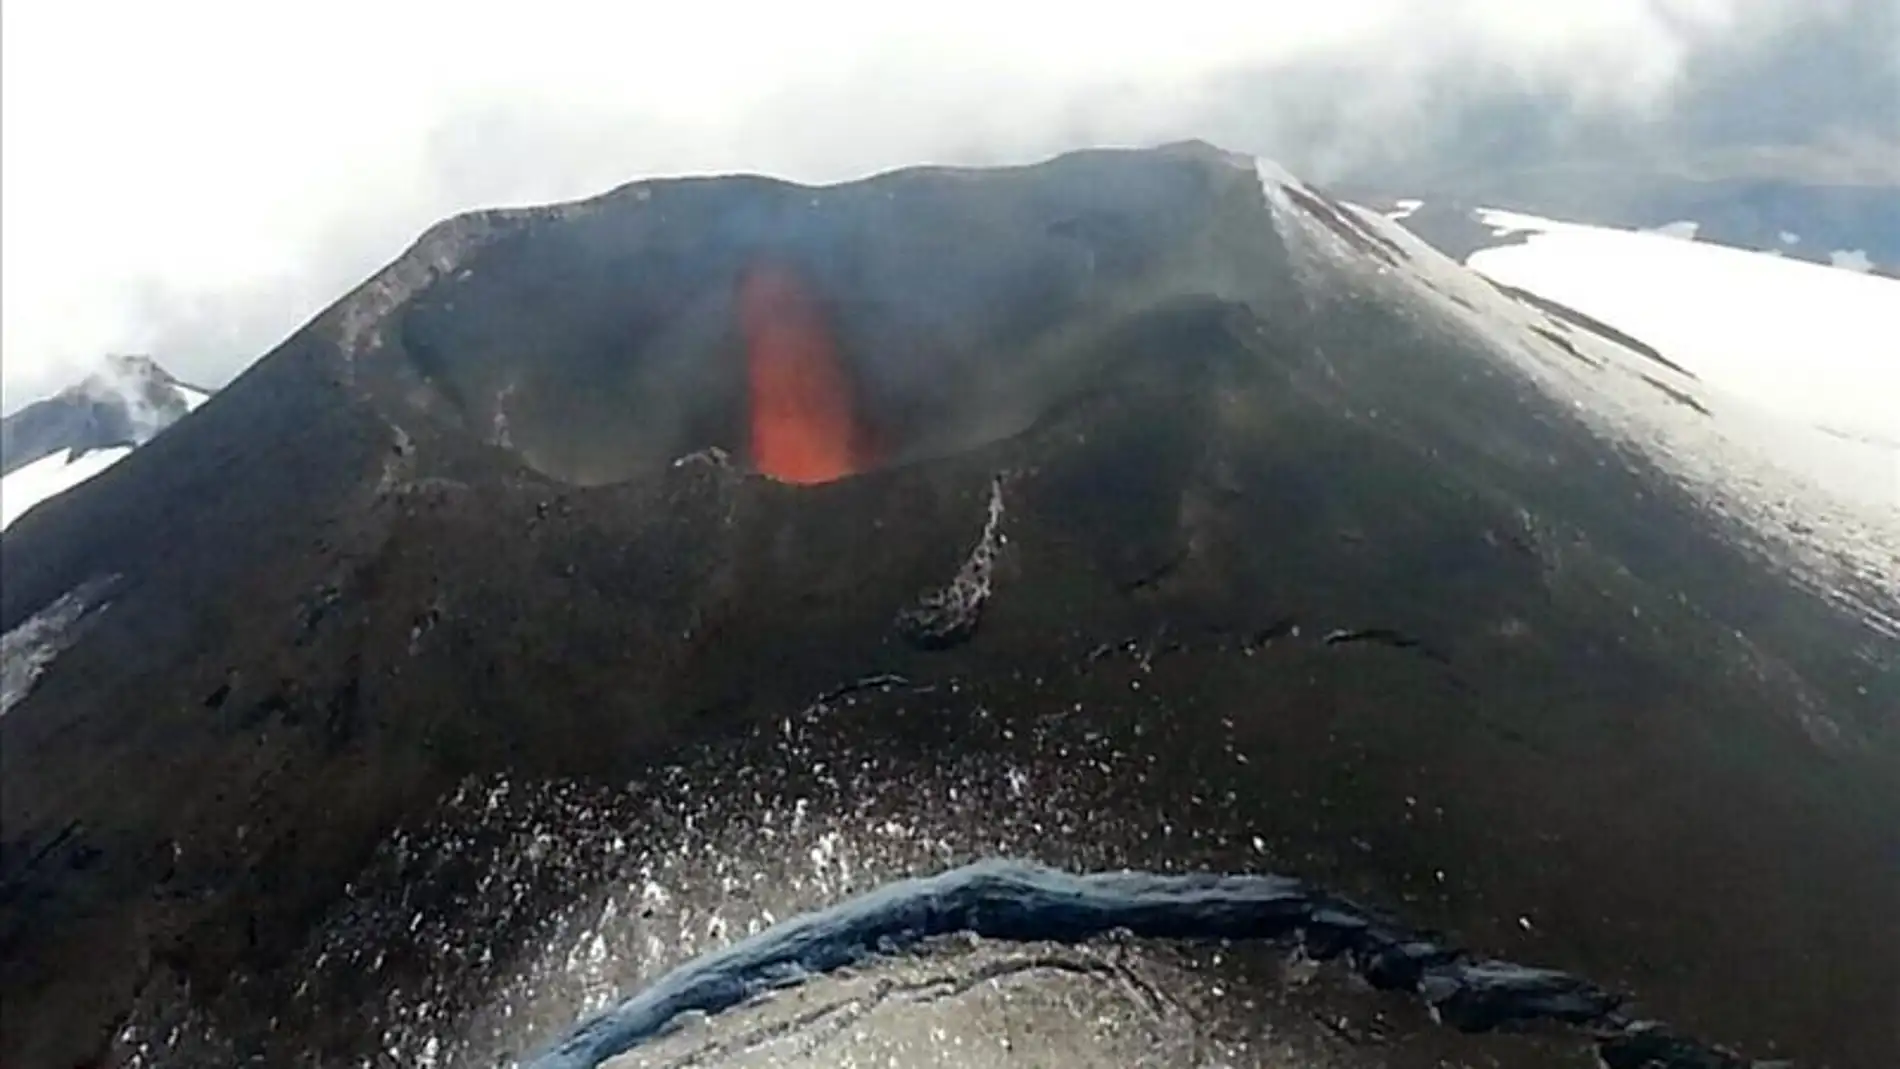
(195, 180)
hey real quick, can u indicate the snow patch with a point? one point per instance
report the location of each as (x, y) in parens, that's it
(1274, 182)
(1820, 503)
(1682, 230)
(49, 476)
(1504, 223)
(501, 435)
(1855, 260)
(1403, 209)
(1798, 339)
(27, 650)
(1789, 237)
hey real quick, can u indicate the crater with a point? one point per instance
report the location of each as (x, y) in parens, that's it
(813, 333)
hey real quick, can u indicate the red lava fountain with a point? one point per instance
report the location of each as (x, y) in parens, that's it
(804, 427)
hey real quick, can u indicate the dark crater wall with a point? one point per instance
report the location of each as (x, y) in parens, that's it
(607, 344)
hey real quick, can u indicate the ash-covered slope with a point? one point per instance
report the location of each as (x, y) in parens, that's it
(1263, 533)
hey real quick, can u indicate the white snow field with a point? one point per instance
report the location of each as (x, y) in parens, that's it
(1801, 340)
(55, 473)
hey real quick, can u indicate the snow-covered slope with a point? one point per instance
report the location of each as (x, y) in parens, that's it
(1808, 486)
(26, 487)
(55, 444)
(1804, 341)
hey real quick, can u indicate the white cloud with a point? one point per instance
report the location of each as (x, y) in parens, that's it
(197, 178)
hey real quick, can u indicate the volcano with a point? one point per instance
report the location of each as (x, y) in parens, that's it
(57, 442)
(602, 586)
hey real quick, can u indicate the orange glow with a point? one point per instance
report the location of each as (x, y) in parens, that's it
(804, 427)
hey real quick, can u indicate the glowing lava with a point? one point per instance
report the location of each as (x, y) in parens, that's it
(804, 424)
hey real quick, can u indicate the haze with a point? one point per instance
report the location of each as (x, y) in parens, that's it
(195, 180)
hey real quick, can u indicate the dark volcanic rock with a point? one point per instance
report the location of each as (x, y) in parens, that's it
(470, 522)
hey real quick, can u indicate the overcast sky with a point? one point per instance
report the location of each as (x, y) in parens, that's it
(195, 179)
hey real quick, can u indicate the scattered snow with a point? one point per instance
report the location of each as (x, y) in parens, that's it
(1682, 230)
(1789, 237)
(27, 486)
(1502, 222)
(26, 650)
(502, 436)
(1403, 209)
(1799, 339)
(1275, 180)
(1855, 260)
(193, 397)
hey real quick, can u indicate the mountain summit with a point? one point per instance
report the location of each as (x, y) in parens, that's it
(54, 444)
(600, 582)
(124, 403)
